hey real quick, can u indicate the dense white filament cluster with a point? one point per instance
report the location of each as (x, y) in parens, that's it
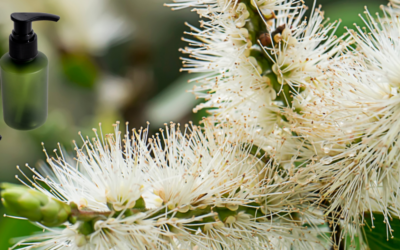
(330, 103)
(202, 189)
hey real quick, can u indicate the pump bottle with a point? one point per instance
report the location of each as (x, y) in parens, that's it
(24, 74)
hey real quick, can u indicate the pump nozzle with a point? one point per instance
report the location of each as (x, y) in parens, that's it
(23, 41)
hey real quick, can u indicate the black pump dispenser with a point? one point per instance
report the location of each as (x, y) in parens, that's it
(24, 75)
(23, 40)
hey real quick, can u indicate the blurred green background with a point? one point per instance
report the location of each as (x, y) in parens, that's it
(110, 60)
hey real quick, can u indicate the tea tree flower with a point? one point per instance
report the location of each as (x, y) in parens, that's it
(223, 51)
(375, 154)
(324, 111)
(202, 188)
(361, 104)
(395, 3)
(261, 72)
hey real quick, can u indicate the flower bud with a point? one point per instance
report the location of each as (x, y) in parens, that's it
(34, 205)
(184, 209)
(207, 227)
(224, 213)
(243, 14)
(265, 39)
(254, 62)
(230, 220)
(265, 8)
(232, 207)
(80, 240)
(218, 225)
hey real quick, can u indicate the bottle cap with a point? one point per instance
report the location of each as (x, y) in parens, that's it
(23, 40)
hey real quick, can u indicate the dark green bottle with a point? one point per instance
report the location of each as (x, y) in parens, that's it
(24, 75)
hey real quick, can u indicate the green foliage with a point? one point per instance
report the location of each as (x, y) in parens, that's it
(349, 14)
(379, 237)
(80, 69)
(12, 228)
(353, 245)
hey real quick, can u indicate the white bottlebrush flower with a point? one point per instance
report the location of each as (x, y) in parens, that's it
(209, 6)
(254, 79)
(108, 234)
(210, 187)
(105, 173)
(198, 170)
(376, 46)
(362, 171)
(301, 50)
(222, 51)
(54, 238)
(395, 4)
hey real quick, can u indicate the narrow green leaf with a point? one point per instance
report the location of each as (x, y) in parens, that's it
(355, 245)
(12, 228)
(379, 237)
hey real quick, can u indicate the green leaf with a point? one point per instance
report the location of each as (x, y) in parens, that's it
(12, 228)
(80, 69)
(378, 237)
(355, 245)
